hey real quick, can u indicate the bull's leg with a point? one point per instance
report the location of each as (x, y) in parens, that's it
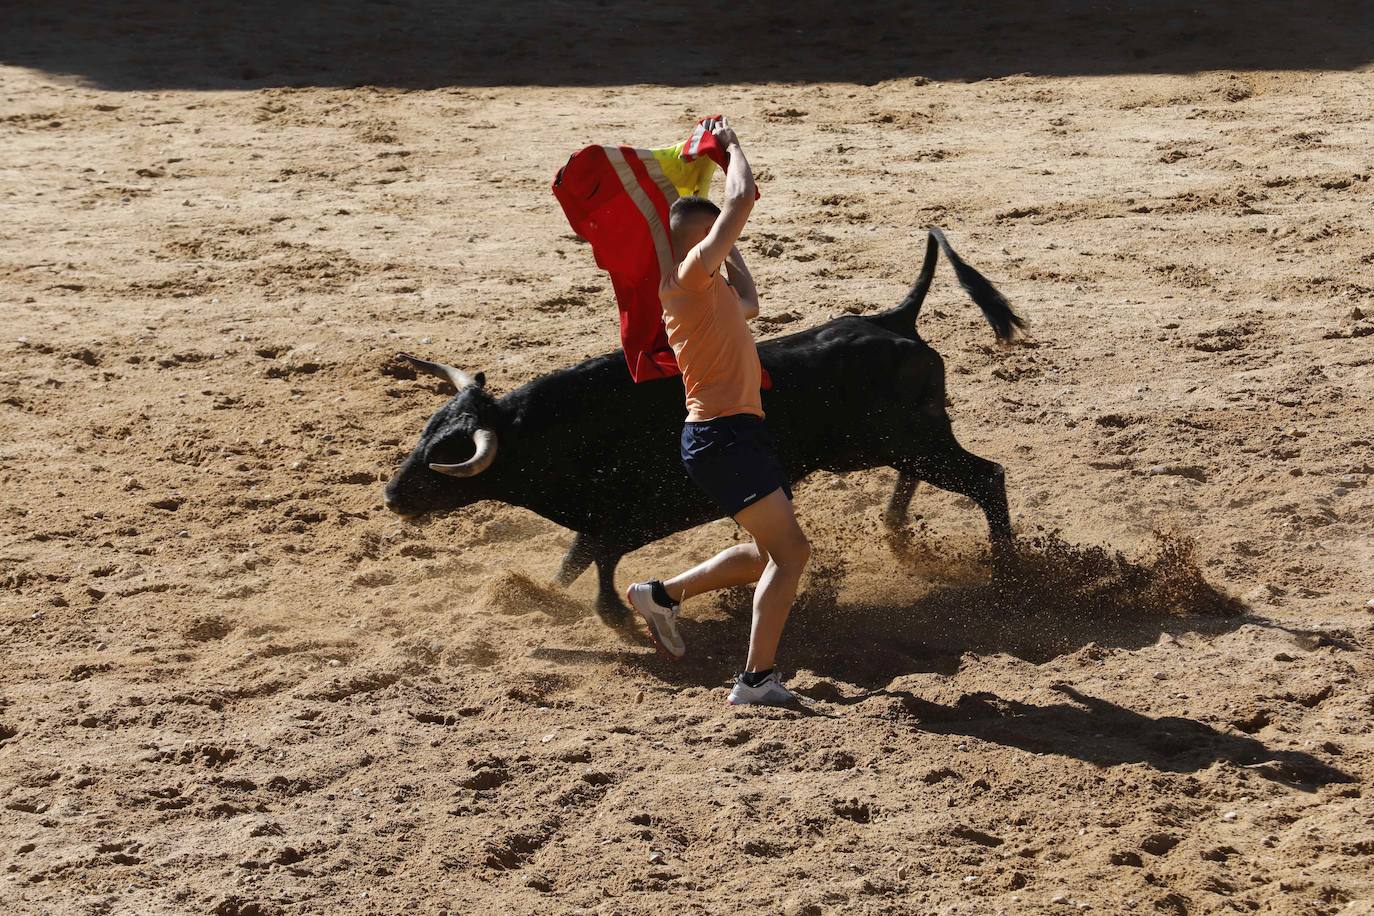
(575, 562)
(953, 468)
(609, 607)
(585, 551)
(895, 513)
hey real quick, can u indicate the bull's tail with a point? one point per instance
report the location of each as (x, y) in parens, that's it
(902, 320)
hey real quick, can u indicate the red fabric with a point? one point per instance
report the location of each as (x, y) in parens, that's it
(704, 143)
(601, 211)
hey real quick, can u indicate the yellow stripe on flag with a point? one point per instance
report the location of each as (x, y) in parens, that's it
(687, 177)
(657, 231)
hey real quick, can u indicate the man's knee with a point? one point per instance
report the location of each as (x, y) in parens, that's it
(794, 552)
(751, 553)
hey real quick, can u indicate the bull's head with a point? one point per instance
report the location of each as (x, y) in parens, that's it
(459, 441)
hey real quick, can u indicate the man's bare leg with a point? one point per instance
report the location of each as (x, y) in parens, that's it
(738, 565)
(774, 526)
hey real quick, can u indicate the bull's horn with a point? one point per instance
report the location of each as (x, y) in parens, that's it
(455, 377)
(485, 440)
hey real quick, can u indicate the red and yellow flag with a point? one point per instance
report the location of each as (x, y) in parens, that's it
(617, 198)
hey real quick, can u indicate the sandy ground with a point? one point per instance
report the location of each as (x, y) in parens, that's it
(233, 684)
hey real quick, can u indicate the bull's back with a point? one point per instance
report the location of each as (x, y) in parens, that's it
(843, 363)
(843, 391)
(616, 442)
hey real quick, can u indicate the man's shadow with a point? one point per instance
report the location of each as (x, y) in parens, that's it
(1058, 599)
(1103, 733)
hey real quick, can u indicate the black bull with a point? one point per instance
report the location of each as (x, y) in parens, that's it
(588, 449)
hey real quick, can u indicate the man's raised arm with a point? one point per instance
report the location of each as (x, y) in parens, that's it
(743, 282)
(738, 204)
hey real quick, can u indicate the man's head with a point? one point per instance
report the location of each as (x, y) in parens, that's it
(690, 219)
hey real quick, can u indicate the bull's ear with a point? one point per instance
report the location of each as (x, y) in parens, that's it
(480, 380)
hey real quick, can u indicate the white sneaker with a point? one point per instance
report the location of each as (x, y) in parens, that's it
(769, 693)
(662, 620)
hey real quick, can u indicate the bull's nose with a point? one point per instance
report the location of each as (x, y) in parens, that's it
(390, 502)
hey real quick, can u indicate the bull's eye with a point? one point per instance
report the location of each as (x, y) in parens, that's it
(453, 450)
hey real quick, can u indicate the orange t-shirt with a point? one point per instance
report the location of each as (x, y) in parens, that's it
(712, 342)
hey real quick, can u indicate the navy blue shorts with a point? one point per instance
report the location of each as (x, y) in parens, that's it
(733, 460)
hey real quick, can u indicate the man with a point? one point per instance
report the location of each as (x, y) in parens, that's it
(726, 447)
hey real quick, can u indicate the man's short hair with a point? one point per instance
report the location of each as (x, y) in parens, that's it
(684, 208)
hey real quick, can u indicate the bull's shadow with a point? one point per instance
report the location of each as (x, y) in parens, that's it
(157, 44)
(1058, 599)
(1061, 599)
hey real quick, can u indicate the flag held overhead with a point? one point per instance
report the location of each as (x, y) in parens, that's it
(617, 198)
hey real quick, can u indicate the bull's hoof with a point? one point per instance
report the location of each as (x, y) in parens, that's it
(1008, 573)
(896, 534)
(613, 612)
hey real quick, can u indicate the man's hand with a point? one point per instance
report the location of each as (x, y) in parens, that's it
(724, 133)
(739, 201)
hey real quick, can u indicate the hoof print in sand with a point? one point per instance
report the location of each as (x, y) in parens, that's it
(207, 628)
(485, 780)
(761, 848)
(517, 849)
(854, 810)
(237, 906)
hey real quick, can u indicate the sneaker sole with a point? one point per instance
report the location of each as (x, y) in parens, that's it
(653, 634)
(784, 705)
